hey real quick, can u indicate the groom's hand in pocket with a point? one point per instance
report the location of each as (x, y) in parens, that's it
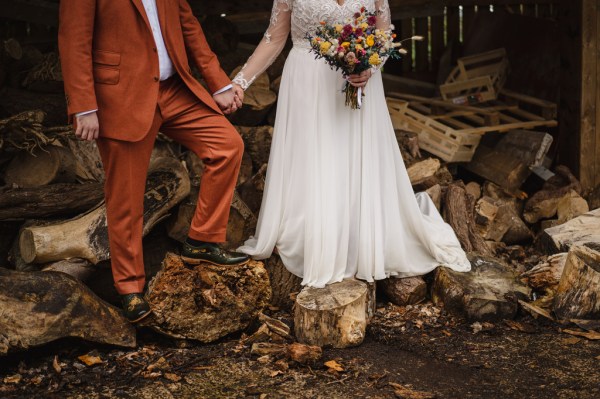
(226, 101)
(360, 79)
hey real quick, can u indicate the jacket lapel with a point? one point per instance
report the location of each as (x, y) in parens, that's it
(140, 7)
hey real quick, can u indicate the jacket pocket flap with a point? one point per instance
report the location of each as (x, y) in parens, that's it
(106, 57)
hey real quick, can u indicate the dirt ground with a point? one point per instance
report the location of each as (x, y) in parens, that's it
(416, 352)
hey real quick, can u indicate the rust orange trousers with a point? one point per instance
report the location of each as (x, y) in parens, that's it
(186, 120)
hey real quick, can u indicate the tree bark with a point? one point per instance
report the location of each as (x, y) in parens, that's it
(578, 231)
(87, 236)
(284, 285)
(332, 316)
(404, 291)
(577, 293)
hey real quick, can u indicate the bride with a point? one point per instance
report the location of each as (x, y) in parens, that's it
(338, 202)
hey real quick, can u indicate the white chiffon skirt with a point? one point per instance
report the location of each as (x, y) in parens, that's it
(338, 202)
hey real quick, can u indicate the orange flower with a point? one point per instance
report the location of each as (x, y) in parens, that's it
(322, 22)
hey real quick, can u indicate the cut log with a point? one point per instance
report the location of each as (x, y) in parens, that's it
(544, 203)
(578, 231)
(404, 291)
(546, 275)
(304, 354)
(89, 164)
(499, 167)
(86, 236)
(206, 302)
(40, 307)
(51, 164)
(252, 190)
(332, 316)
(257, 141)
(435, 193)
(241, 224)
(474, 190)
(50, 200)
(258, 101)
(488, 292)
(284, 285)
(459, 213)
(570, 206)
(423, 170)
(577, 292)
(81, 269)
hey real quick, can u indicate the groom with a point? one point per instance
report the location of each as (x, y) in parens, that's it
(126, 72)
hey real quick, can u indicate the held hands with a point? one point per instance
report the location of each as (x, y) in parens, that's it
(360, 79)
(229, 101)
(87, 127)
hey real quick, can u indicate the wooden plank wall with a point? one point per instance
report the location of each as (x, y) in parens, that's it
(450, 23)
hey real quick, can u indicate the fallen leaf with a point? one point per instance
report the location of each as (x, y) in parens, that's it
(37, 380)
(56, 365)
(407, 392)
(590, 325)
(333, 365)
(172, 377)
(591, 335)
(275, 373)
(571, 340)
(515, 325)
(150, 375)
(477, 327)
(158, 365)
(447, 333)
(13, 379)
(90, 360)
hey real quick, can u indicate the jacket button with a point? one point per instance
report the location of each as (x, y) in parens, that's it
(156, 79)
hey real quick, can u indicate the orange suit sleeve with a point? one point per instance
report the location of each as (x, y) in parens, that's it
(75, 35)
(199, 50)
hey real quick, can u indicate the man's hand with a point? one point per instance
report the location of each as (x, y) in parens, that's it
(239, 94)
(87, 127)
(360, 79)
(227, 101)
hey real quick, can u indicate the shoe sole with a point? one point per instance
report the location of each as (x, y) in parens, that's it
(142, 318)
(194, 261)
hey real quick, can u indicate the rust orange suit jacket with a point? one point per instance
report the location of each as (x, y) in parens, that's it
(109, 61)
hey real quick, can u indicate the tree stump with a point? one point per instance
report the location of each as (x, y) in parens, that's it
(578, 231)
(577, 295)
(51, 164)
(284, 285)
(484, 293)
(206, 302)
(87, 235)
(404, 291)
(40, 307)
(332, 316)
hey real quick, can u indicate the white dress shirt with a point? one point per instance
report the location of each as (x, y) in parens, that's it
(165, 65)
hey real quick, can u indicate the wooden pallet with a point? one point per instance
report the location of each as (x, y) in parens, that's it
(477, 78)
(452, 132)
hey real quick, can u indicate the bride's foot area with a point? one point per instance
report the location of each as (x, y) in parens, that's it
(196, 252)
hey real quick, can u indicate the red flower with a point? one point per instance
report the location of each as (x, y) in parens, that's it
(362, 9)
(356, 14)
(372, 20)
(359, 32)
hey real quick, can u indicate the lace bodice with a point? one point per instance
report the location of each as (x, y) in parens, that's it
(301, 17)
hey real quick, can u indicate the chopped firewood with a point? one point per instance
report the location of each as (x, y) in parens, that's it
(269, 349)
(89, 164)
(435, 193)
(304, 354)
(581, 230)
(41, 166)
(81, 269)
(577, 292)
(473, 189)
(261, 335)
(570, 206)
(257, 141)
(404, 291)
(484, 293)
(535, 311)
(276, 326)
(546, 274)
(335, 315)
(423, 170)
(258, 101)
(283, 283)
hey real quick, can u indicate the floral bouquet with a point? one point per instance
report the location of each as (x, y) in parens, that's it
(355, 47)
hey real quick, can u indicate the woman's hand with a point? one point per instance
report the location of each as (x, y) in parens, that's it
(360, 79)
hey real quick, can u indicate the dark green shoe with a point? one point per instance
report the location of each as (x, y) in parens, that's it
(135, 307)
(211, 253)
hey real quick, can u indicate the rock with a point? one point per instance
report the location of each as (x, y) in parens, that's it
(335, 315)
(206, 302)
(578, 292)
(488, 292)
(40, 307)
(404, 291)
(583, 229)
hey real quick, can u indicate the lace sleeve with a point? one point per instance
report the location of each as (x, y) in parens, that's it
(270, 46)
(384, 22)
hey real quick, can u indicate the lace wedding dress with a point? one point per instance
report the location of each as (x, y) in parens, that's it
(338, 202)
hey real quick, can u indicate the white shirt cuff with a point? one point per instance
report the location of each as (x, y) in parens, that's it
(85, 112)
(224, 89)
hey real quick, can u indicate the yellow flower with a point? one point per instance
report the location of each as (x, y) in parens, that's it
(374, 59)
(325, 46)
(370, 40)
(364, 26)
(346, 45)
(338, 28)
(358, 47)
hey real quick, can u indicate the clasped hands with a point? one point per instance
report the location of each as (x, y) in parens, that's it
(231, 100)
